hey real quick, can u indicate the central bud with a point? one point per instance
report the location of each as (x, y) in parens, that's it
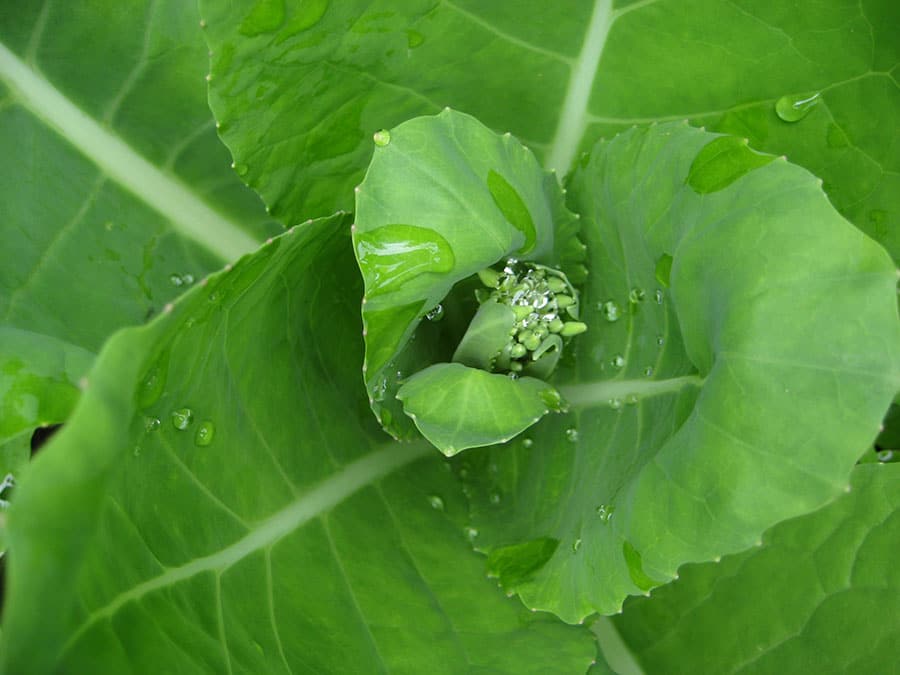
(524, 318)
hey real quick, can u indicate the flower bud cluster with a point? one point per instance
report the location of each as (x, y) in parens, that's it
(542, 300)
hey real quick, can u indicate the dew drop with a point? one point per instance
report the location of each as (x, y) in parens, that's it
(151, 423)
(572, 435)
(609, 310)
(205, 433)
(618, 361)
(576, 545)
(605, 512)
(659, 295)
(885, 455)
(471, 533)
(436, 502)
(615, 403)
(794, 108)
(241, 169)
(137, 451)
(382, 137)
(648, 371)
(414, 38)
(176, 280)
(527, 442)
(187, 278)
(631, 399)
(182, 418)
(153, 384)
(436, 314)
(636, 295)
(495, 498)
(660, 340)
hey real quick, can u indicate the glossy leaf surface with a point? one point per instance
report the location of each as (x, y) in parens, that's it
(206, 510)
(704, 413)
(825, 596)
(300, 95)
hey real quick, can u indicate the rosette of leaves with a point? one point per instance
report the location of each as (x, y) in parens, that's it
(454, 346)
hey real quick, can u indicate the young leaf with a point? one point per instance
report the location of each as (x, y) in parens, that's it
(820, 595)
(445, 198)
(205, 508)
(704, 413)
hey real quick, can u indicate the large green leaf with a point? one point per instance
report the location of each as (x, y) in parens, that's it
(300, 85)
(710, 410)
(822, 595)
(223, 501)
(116, 194)
(444, 198)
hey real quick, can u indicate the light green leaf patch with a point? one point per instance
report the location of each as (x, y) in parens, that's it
(821, 594)
(222, 500)
(444, 198)
(456, 407)
(706, 412)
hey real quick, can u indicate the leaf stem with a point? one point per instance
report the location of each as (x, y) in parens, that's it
(592, 394)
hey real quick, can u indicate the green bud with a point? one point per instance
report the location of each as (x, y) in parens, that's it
(556, 325)
(557, 285)
(532, 342)
(516, 367)
(521, 311)
(489, 277)
(564, 301)
(573, 328)
(518, 351)
(524, 335)
(540, 331)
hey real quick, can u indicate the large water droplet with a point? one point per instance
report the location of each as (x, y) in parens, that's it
(392, 255)
(382, 137)
(436, 314)
(648, 371)
(636, 295)
(205, 433)
(182, 418)
(659, 296)
(576, 545)
(153, 383)
(609, 310)
(615, 403)
(527, 443)
(436, 502)
(885, 455)
(618, 361)
(572, 435)
(795, 107)
(151, 423)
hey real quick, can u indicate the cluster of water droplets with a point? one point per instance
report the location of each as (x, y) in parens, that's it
(179, 280)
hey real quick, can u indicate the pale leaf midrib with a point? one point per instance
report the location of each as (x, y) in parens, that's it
(315, 502)
(164, 193)
(573, 118)
(591, 394)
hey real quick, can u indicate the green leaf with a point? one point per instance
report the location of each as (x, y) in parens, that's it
(457, 407)
(298, 104)
(288, 539)
(117, 194)
(822, 594)
(704, 413)
(443, 199)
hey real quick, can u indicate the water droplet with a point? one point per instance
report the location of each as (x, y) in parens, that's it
(436, 502)
(527, 442)
(663, 270)
(660, 340)
(151, 423)
(615, 403)
(636, 295)
(885, 455)
(414, 38)
(618, 361)
(154, 383)
(187, 278)
(576, 545)
(182, 418)
(648, 371)
(205, 433)
(609, 310)
(631, 399)
(393, 255)
(241, 169)
(572, 435)
(495, 497)
(605, 512)
(659, 296)
(794, 108)
(176, 280)
(471, 533)
(436, 314)
(137, 451)
(382, 137)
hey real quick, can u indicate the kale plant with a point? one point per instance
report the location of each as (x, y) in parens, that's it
(449, 336)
